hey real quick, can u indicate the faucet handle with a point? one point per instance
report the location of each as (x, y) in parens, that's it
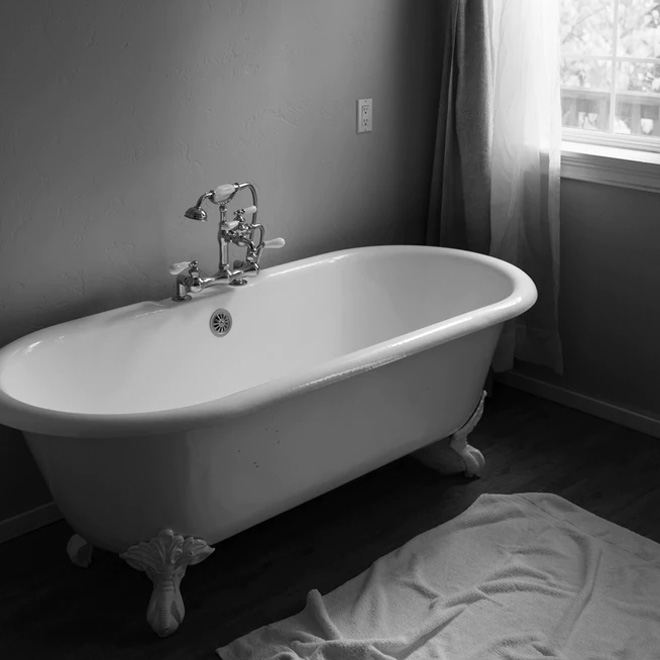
(224, 193)
(179, 267)
(275, 243)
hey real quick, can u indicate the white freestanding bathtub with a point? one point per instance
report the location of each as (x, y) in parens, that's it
(143, 420)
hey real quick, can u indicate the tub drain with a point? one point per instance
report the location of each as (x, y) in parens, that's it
(220, 322)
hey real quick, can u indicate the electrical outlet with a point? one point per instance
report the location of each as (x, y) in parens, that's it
(365, 115)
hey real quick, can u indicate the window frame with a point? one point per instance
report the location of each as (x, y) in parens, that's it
(614, 140)
(613, 166)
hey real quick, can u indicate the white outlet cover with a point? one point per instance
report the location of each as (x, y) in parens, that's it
(365, 115)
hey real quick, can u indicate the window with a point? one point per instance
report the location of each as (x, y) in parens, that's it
(610, 72)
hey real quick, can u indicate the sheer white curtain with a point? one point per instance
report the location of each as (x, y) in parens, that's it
(495, 186)
(524, 167)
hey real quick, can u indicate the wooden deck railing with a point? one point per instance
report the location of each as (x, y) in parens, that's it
(639, 110)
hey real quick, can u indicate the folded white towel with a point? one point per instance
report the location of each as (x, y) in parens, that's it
(514, 577)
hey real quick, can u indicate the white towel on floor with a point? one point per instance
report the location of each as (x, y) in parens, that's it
(515, 577)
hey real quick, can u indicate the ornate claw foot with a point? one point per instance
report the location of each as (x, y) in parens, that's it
(79, 551)
(164, 559)
(474, 460)
(447, 458)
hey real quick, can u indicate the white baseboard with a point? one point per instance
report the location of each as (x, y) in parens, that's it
(612, 413)
(28, 521)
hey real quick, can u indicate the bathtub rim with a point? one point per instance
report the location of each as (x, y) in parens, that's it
(35, 419)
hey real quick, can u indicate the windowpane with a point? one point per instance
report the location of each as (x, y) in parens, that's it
(610, 71)
(640, 77)
(587, 27)
(585, 93)
(639, 28)
(638, 99)
(586, 72)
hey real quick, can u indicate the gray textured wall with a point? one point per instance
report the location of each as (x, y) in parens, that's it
(609, 301)
(117, 115)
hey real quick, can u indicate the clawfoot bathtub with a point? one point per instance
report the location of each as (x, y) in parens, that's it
(164, 427)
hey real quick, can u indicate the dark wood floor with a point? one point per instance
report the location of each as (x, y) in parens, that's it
(50, 609)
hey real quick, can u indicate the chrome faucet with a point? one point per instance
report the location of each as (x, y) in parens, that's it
(238, 231)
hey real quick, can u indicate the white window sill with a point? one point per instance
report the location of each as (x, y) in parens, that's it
(611, 166)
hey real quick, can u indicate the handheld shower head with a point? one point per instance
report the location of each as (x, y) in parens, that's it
(196, 213)
(219, 196)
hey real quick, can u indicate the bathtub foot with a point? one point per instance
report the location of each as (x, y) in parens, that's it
(79, 551)
(472, 458)
(447, 458)
(164, 559)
